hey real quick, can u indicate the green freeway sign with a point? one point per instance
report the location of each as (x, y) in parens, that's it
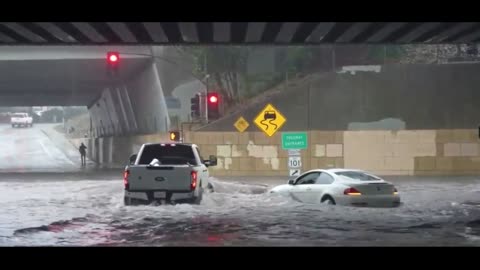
(294, 140)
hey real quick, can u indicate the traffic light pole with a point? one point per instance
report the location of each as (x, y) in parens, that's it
(206, 89)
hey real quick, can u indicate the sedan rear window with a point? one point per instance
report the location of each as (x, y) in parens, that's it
(358, 176)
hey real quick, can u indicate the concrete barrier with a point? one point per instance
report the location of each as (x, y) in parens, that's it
(405, 152)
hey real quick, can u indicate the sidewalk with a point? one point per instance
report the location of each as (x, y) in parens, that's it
(63, 143)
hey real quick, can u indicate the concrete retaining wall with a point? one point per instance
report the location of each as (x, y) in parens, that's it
(115, 151)
(418, 96)
(412, 152)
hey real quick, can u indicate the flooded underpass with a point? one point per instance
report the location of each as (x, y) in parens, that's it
(85, 212)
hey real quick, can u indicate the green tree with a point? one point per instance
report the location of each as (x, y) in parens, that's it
(298, 58)
(227, 65)
(387, 53)
(224, 64)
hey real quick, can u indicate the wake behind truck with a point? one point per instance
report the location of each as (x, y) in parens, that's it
(166, 173)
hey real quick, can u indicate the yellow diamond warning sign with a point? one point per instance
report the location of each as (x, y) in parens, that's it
(241, 125)
(270, 120)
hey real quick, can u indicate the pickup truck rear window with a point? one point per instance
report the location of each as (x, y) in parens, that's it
(168, 154)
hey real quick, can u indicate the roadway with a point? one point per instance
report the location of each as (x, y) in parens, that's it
(49, 199)
(34, 150)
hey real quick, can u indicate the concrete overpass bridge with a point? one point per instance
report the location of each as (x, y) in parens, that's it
(132, 102)
(135, 101)
(168, 33)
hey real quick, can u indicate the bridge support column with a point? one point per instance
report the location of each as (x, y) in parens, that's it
(112, 110)
(148, 101)
(121, 112)
(127, 105)
(138, 106)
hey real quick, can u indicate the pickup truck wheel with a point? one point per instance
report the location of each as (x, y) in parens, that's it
(210, 187)
(13, 126)
(198, 199)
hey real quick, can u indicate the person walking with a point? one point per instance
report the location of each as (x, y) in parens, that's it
(83, 153)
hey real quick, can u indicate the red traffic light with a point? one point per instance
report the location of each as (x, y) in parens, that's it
(213, 105)
(213, 99)
(113, 57)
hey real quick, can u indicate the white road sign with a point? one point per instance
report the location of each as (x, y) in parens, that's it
(294, 172)
(294, 152)
(294, 162)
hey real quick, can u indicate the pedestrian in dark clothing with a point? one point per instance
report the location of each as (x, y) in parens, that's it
(83, 153)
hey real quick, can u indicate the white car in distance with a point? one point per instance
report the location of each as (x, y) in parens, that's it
(21, 120)
(341, 187)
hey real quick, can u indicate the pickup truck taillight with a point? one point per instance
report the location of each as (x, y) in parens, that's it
(126, 173)
(193, 184)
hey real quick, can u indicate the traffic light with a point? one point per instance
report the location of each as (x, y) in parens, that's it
(175, 136)
(113, 62)
(195, 106)
(213, 100)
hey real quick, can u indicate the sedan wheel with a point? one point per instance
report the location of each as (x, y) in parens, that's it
(328, 200)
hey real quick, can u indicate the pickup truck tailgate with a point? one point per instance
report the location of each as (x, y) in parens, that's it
(171, 178)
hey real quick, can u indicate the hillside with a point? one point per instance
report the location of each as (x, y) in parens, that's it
(422, 96)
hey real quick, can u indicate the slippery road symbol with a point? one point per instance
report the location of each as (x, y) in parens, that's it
(269, 120)
(270, 116)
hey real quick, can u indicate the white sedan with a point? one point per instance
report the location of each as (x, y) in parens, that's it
(342, 187)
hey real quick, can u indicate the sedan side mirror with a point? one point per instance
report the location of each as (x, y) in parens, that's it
(132, 159)
(212, 161)
(291, 181)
